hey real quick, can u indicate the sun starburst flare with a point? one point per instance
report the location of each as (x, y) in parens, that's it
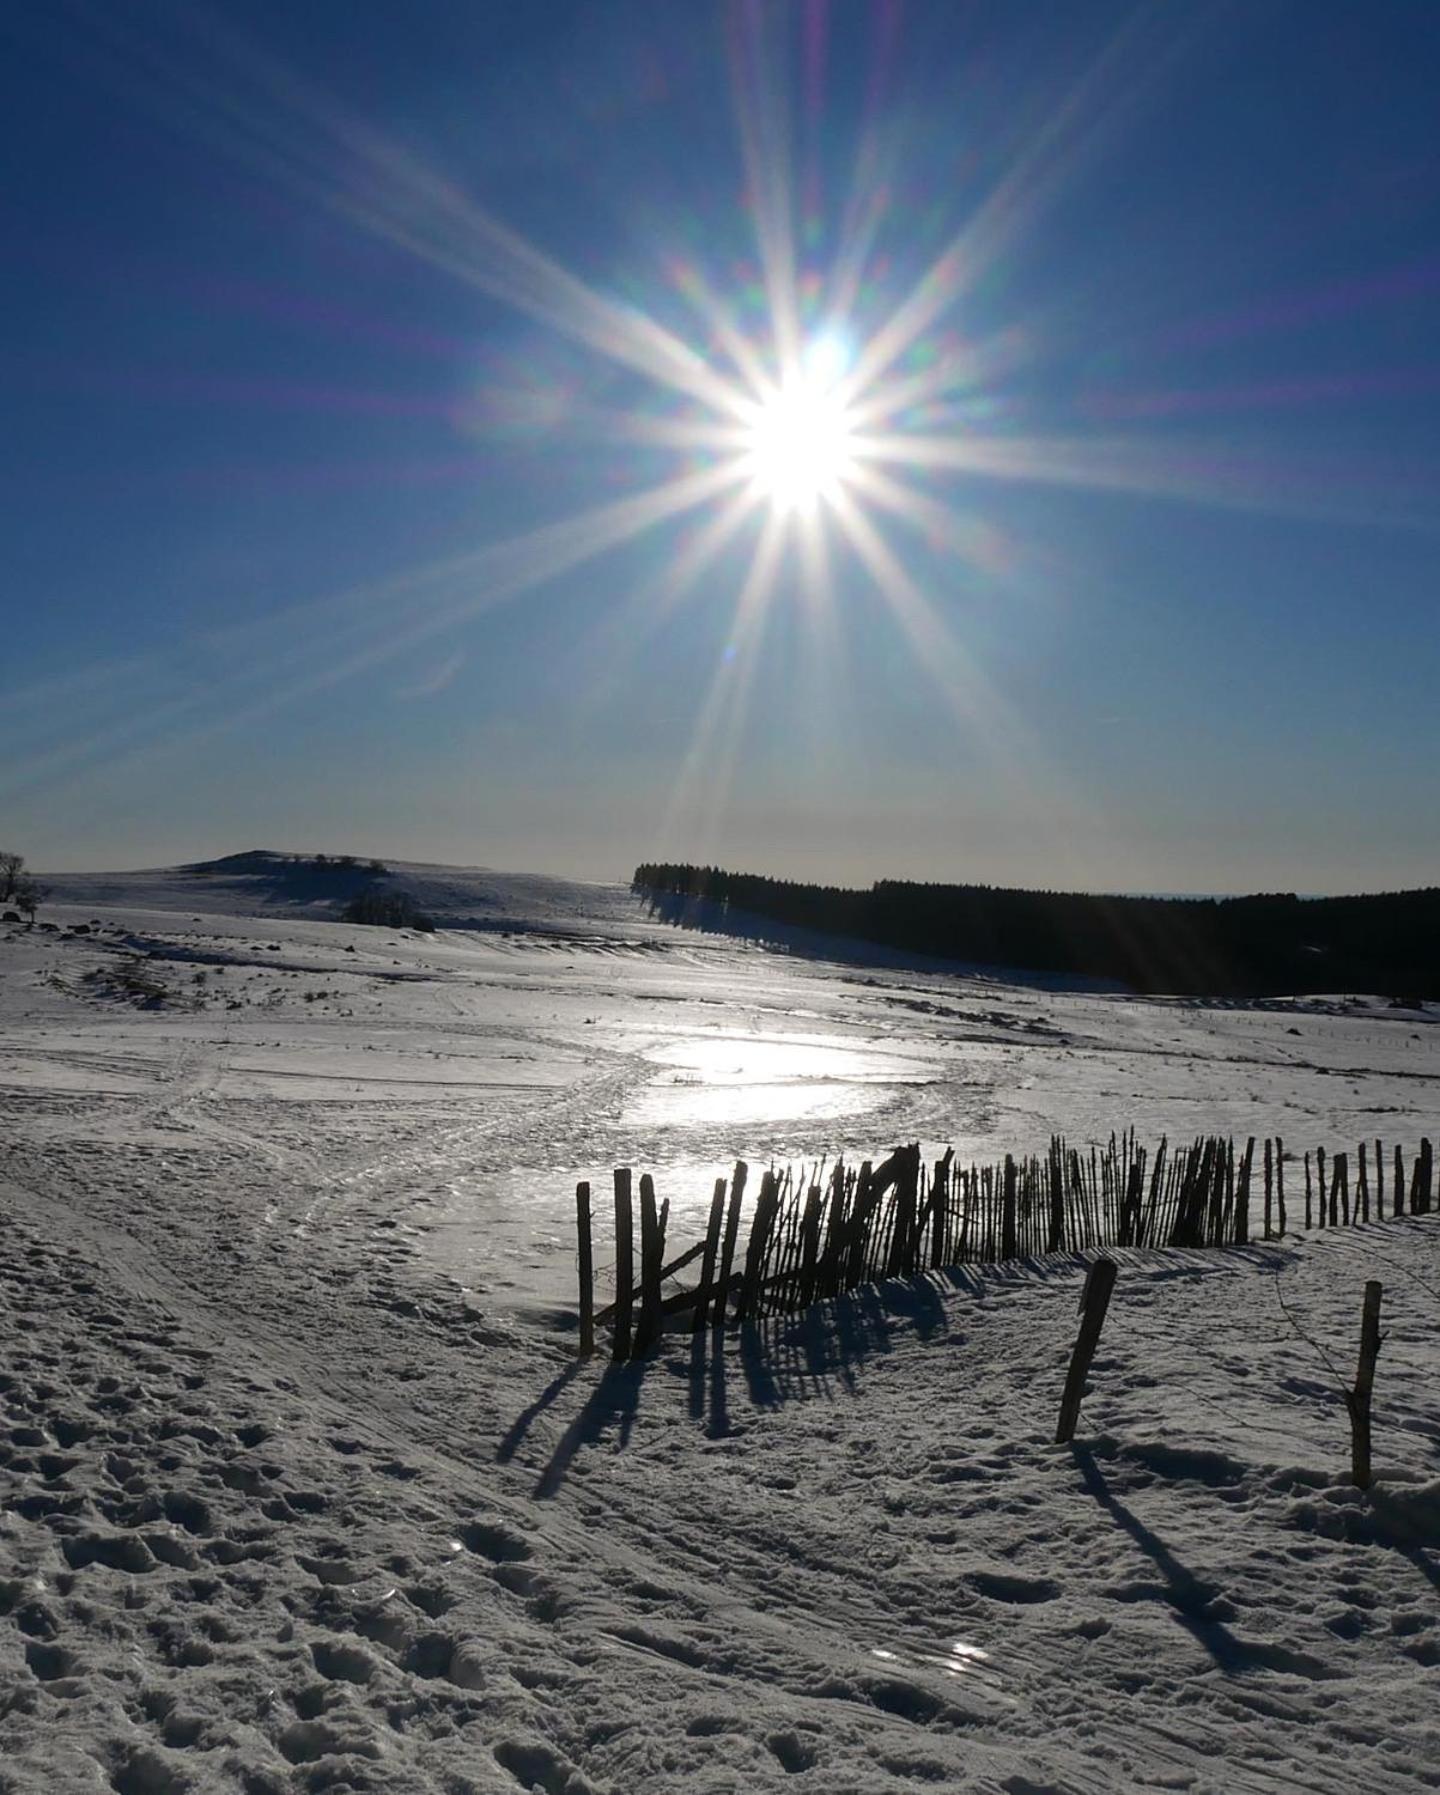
(801, 439)
(824, 402)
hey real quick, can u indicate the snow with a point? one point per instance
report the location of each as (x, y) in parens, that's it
(304, 1489)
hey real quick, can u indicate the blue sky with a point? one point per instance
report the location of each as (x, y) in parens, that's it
(380, 386)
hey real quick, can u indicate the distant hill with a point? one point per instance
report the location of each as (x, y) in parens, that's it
(266, 881)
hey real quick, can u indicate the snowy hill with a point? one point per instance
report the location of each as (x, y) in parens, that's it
(262, 882)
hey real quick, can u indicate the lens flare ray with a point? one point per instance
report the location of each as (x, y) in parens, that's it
(827, 392)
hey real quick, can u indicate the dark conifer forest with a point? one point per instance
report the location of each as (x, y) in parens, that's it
(1266, 945)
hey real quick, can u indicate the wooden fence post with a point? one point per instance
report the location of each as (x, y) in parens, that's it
(1280, 1182)
(587, 1268)
(807, 1251)
(727, 1252)
(940, 1205)
(652, 1257)
(1269, 1181)
(827, 1271)
(1358, 1399)
(624, 1265)
(1151, 1235)
(1007, 1211)
(852, 1254)
(766, 1205)
(1134, 1192)
(904, 1203)
(1094, 1302)
(1056, 1242)
(1241, 1218)
(712, 1250)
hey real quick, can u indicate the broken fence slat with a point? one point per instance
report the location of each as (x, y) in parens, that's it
(688, 1257)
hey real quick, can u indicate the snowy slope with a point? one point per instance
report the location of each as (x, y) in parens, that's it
(266, 883)
(298, 1530)
(303, 1488)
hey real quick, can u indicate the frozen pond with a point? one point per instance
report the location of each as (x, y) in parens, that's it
(436, 1098)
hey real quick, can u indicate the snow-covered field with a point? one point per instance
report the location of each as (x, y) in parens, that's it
(304, 1489)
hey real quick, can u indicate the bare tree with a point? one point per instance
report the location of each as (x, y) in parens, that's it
(12, 866)
(28, 896)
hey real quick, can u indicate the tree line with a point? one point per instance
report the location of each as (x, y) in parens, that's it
(1268, 944)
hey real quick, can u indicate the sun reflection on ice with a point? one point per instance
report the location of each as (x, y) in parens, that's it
(746, 1078)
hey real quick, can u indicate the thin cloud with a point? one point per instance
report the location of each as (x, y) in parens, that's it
(435, 681)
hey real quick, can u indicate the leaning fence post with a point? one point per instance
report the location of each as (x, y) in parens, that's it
(587, 1269)
(1358, 1399)
(1094, 1302)
(652, 1257)
(624, 1265)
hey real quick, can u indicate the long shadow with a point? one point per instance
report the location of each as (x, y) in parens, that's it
(522, 1423)
(1195, 1602)
(708, 1397)
(782, 1359)
(613, 1403)
(787, 1358)
(717, 1424)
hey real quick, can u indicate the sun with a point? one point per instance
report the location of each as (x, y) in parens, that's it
(800, 445)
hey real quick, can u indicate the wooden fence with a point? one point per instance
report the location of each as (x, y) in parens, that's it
(815, 1234)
